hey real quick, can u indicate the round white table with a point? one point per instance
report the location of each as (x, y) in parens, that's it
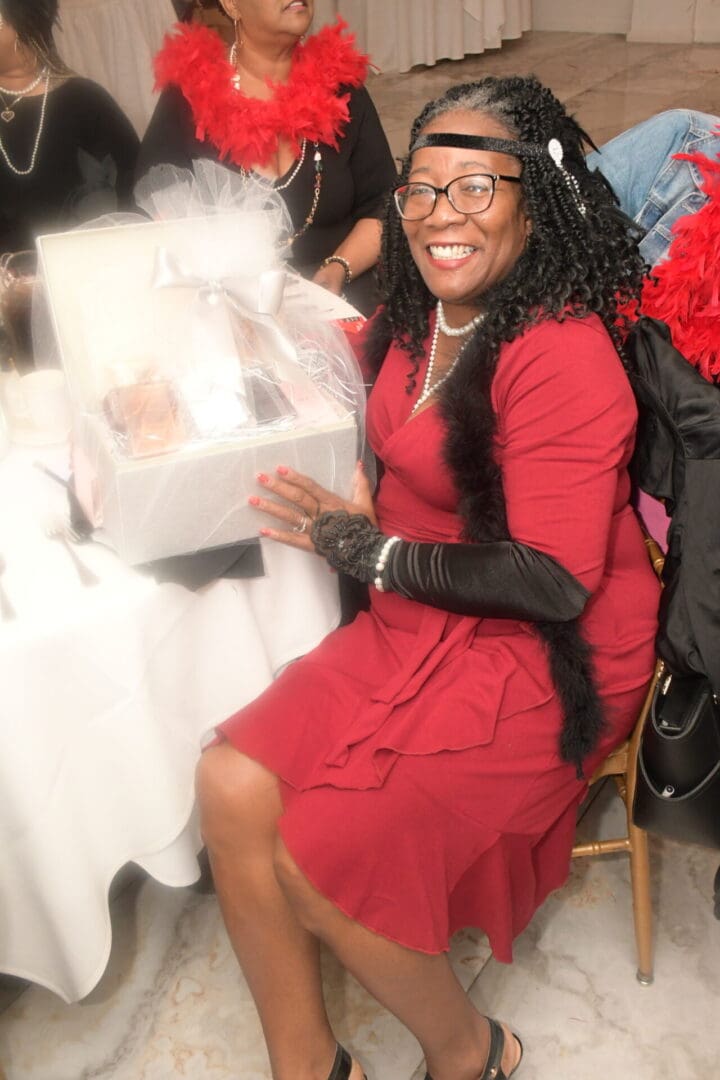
(108, 694)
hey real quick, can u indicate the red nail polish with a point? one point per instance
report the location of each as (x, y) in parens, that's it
(253, 500)
(283, 470)
(264, 532)
(263, 478)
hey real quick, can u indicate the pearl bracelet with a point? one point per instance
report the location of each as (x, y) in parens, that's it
(382, 561)
(343, 262)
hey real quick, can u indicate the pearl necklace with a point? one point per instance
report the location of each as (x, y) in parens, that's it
(430, 387)
(8, 112)
(298, 165)
(33, 159)
(456, 331)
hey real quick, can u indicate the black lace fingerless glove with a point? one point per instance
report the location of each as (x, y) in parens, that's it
(349, 542)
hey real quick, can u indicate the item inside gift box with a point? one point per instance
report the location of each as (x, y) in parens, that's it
(156, 417)
(146, 417)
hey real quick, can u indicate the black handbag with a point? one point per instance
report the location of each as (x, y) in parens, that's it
(677, 793)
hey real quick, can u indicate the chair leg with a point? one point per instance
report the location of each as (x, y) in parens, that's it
(642, 905)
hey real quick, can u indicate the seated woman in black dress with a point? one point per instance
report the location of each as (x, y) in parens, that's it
(67, 151)
(292, 110)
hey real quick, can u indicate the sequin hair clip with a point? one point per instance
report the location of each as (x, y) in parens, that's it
(556, 152)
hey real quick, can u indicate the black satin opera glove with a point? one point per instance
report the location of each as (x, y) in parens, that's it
(498, 580)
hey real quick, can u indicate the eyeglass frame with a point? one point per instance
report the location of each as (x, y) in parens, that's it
(437, 191)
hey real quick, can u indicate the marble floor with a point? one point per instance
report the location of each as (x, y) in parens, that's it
(172, 1002)
(608, 83)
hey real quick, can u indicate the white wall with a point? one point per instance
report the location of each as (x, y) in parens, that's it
(596, 16)
(641, 20)
(691, 20)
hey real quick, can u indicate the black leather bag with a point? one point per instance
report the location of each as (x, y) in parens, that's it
(678, 780)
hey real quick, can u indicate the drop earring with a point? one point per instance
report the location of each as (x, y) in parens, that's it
(236, 47)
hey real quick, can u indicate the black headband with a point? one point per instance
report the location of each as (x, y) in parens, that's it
(518, 149)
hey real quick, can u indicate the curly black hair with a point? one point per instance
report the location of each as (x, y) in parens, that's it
(572, 262)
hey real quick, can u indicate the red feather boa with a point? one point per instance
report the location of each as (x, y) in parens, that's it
(684, 290)
(245, 130)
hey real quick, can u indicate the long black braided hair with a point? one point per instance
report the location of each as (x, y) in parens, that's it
(571, 262)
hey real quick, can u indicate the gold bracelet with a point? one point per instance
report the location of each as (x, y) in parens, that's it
(343, 262)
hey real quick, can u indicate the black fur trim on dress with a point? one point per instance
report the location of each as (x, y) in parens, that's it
(466, 405)
(571, 667)
(377, 342)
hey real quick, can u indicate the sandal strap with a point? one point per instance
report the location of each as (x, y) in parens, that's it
(493, 1069)
(342, 1065)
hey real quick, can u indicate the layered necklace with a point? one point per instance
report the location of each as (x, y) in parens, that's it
(317, 184)
(7, 115)
(430, 385)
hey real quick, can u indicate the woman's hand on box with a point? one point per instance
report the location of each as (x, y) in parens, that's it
(301, 500)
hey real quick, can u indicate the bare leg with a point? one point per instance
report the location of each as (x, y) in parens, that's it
(420, 989)
(240, 804)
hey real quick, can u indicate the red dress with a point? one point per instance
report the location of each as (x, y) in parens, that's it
(417, 750)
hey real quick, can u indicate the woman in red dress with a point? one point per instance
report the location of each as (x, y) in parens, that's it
(421, 769)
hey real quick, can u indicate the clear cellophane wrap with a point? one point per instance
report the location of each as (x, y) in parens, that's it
(195, 359)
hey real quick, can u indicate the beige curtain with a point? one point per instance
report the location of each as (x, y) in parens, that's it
(113, 42)
(398, 34)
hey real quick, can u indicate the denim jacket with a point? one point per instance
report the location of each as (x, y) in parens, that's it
(652, 187)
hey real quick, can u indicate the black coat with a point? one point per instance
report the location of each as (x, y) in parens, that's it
(677, 459)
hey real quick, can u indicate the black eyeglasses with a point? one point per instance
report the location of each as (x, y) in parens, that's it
(467, 194)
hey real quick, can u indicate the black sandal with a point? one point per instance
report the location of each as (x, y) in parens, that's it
(342, 1065)
(493, 1070)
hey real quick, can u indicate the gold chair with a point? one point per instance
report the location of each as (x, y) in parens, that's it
(621, 764)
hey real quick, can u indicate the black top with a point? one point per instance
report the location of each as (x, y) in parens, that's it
(355, 179)
(84, 167)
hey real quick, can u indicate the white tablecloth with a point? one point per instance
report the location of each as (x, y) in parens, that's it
(113, 42)
(106, 695)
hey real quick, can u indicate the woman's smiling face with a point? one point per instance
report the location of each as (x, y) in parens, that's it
(460, 256)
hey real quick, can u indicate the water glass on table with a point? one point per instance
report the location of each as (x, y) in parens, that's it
(4, 434)
(18, 274)
(7, 611)
(37, 406)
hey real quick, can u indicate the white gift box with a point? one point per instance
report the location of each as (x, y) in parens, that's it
(114, 321)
